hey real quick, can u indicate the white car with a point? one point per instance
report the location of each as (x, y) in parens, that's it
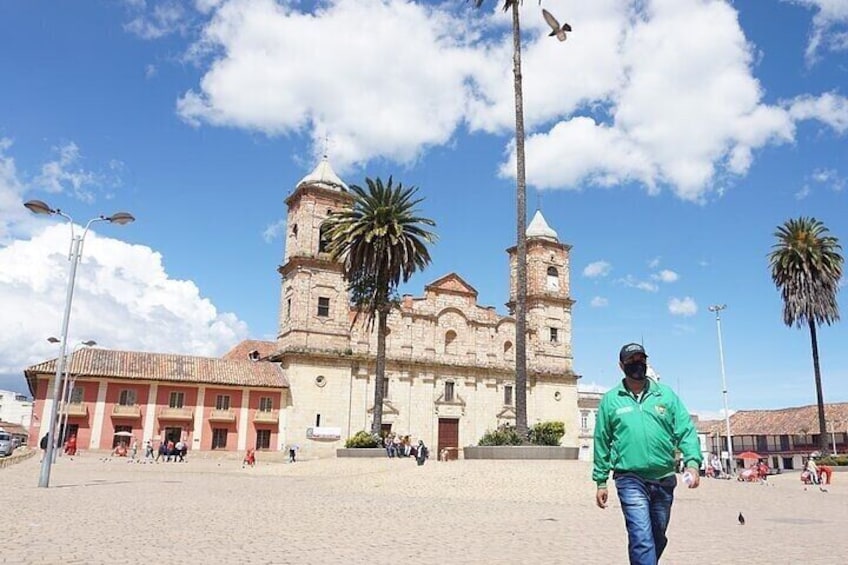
(7, 444)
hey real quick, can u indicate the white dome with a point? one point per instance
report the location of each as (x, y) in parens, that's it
(324, 176)
(539, 228)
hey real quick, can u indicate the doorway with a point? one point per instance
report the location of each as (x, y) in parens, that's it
(174, 434)
(448, 434)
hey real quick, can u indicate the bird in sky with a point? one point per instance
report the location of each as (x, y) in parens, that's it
(558, 30)
(741, 519)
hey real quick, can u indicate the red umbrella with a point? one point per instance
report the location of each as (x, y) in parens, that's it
(748, 455)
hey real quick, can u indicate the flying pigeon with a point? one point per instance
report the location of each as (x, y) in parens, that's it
(558, 30)
(741, 519)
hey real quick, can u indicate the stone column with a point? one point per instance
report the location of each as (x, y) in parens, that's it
(150, 412)
(99, 414)
(198, 418)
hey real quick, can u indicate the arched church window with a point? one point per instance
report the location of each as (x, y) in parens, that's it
(507, 349)
(553, 279)
(450, 342)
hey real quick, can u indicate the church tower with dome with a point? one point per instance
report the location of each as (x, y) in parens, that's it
(313, 303)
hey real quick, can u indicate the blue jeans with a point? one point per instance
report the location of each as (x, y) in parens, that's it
(647, 509)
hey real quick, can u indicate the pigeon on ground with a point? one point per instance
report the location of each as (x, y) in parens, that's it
(741, 519)
(558, 30)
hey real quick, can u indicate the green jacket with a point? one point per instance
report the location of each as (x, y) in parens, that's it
(641, 436)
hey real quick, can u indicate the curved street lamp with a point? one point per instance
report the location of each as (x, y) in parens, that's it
(40, 207)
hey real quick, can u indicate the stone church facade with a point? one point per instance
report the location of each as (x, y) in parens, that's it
(449, 373)
(450, 361)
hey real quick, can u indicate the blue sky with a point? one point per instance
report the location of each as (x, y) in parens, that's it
(666, 141)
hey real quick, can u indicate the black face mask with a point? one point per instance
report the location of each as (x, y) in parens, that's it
(636, 370)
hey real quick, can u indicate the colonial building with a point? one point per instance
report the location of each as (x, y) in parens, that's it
(450, 361)
(783, 437)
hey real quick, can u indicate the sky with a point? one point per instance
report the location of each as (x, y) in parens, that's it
(666, 141)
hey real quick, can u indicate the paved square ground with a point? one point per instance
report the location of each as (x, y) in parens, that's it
(391, 511)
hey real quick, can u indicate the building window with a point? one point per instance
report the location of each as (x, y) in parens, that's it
(323, 306)
(127, 397)
(385, 387)
(553, 279)
(507, 349)
(450, 342)
(266, 404)
(317, 420)
(219, 438)
(554, 335)
(508, 395)
(584, 420)
(76, 395)
(176, 400)
(263, 439)
(294, 230)
(449, 391)
(222, 402)
(288, 307)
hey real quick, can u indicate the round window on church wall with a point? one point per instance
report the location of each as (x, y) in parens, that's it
(320, 380)
(557, 395)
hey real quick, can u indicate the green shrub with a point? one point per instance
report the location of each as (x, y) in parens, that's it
(833, 460)
(362, 439)
(547, 433)
(505, 434)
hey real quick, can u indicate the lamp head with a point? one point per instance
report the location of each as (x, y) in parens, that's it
(89, 343)
(39, 207)
(717, 307)
(121, 218)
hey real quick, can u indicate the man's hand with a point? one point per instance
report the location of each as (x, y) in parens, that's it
(696, 477)
(601, 497)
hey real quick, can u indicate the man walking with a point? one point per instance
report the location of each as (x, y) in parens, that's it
(639, 425)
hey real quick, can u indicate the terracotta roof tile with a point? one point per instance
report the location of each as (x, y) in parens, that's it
(242, 350)
(785, 421)
(169, 367)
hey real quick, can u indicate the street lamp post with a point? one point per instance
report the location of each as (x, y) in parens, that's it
(120, 218)
(717, 308)
(67, 387)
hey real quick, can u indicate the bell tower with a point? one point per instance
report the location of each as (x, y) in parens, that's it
(314, 309)
(548, 300)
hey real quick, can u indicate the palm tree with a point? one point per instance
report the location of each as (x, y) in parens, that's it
(806, 267)
(381, 242)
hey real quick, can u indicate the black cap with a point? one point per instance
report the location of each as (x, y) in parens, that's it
(629, 350)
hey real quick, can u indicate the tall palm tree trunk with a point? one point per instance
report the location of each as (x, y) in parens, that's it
(521, 267)
(380, 371)
(819, 394)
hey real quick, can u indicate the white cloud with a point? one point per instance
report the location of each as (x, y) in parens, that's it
(830, 15)
(682, 306)
(803, 192)
(161, 18)
(830, 178)
(829, 108)
(123, 297)
(666, 276)
(633, 282)
(274, 230)
(599, 302)
(65, 173)
(654, 263)
(669, 83)
(597, 269)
